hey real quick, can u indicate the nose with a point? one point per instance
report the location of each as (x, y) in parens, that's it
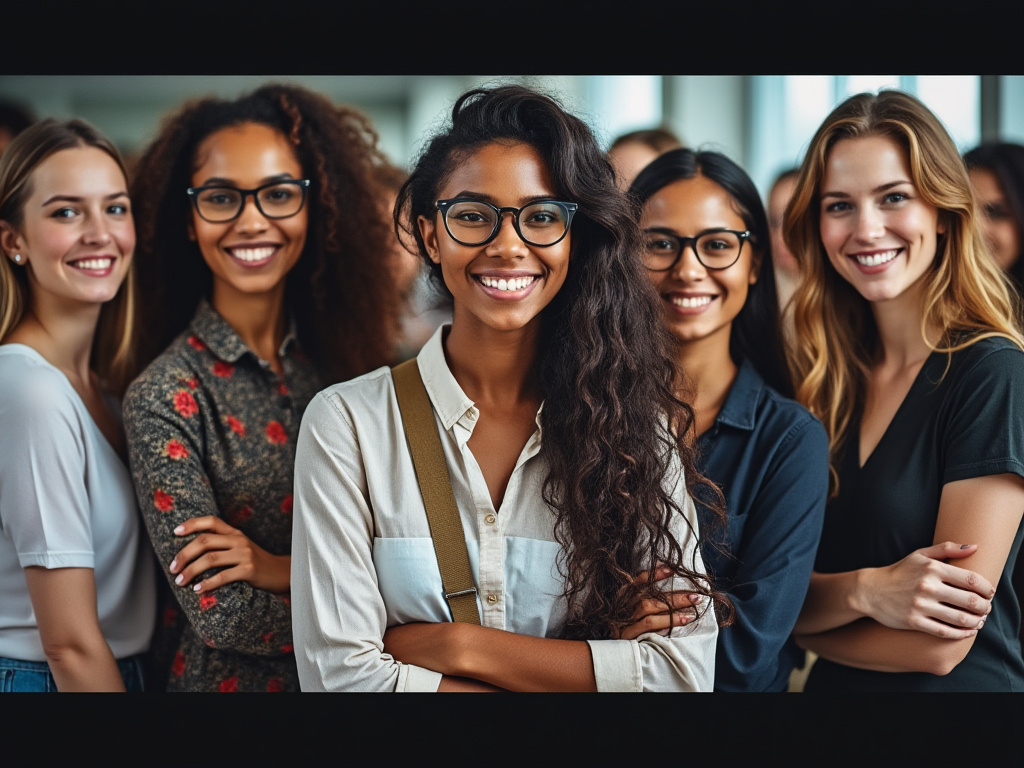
(688, 267)
(251, 219)
(507, 242)
(870, 224)
(97, 232)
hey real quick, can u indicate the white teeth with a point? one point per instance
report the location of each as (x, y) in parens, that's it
(503, 284)
(93, 263)
(877, 258)
(689, 303)
(252, 254)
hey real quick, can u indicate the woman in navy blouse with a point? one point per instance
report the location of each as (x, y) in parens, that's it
(708, 254)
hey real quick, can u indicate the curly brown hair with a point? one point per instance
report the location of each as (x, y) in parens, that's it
(611, 421)
(340, 293)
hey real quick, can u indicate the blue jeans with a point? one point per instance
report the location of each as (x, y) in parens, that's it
(18, 676)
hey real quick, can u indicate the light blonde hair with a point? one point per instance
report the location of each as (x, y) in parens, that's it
(112, 349)
(966, 295)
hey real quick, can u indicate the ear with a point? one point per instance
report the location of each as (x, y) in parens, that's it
(943, 226)
(428, 231)
(191, 229)
(11, 241)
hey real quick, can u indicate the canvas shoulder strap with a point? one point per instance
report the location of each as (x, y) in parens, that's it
(436, 487)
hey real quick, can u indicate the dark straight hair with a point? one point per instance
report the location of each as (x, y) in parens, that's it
(757, 330)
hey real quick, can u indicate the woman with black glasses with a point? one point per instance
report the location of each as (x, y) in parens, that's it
(262, 280)
(707, 251)
(551, 395)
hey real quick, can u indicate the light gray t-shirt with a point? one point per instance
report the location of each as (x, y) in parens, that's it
(66, 501)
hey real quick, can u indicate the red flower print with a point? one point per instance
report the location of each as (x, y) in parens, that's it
(207, 601)
(185, 404)
(163, 501)
(178, 667)
(222, 369)
(276, 433)
(170, 614)
(286, 505)
(286, 600)
(230, 685)
(239, 516)
(267, 637)
(274, 685)
(191, 383)
(282, 388)
(176, 450)
(236, 426)
(287, 648)
(196, 342)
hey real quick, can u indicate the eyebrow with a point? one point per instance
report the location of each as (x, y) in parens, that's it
(876, 190)
(218, 181)
(490, 199)
(74, 199)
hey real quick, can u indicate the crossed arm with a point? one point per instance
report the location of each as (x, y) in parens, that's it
(922, 613)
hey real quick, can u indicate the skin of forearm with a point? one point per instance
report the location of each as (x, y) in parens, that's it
(84, 667)
(866, 644)
(833, 600)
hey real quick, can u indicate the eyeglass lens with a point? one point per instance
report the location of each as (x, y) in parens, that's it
(276, 201)
(715, 250)
(473, 222)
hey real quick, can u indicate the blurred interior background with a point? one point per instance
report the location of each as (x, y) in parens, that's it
(764, 122)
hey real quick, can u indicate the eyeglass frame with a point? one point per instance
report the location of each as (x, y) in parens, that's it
(303, 184)
(443, 205)
(691, 242)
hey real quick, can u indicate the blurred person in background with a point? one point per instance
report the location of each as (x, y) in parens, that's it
(630, 152)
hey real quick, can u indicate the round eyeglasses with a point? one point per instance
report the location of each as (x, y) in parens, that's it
(277, 200)
(474, 222)
(714, 248)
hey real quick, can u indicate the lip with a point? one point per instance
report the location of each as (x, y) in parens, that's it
(500, 280)
(867, 262)
(689, 303)
(252, 255)
(100, 265)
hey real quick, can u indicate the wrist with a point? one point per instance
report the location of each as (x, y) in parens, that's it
(859, 598)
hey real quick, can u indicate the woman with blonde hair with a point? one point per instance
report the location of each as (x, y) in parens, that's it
(908, 351)
(77, 579)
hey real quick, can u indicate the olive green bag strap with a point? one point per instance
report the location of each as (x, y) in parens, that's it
(436, 488)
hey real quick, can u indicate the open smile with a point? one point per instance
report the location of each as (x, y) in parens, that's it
(97, 266)
(507, 286)
(252, 255)
(877, 258)
(689, 304)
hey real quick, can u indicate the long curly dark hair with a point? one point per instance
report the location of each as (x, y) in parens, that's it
(611, 422)
(757, 330)
(340, 292)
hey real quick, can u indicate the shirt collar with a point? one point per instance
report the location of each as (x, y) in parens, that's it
(740, 407)
(450, 402)
(221, 338)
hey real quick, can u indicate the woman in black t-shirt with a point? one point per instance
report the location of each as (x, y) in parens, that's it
(908, 350)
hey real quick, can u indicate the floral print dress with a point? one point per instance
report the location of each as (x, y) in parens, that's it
(211, 431)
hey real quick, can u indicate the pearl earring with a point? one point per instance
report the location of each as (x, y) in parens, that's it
(17, 258)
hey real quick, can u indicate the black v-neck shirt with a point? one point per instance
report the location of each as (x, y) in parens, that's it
(952, 425)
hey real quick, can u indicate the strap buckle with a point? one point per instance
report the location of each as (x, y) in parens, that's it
(460, 593)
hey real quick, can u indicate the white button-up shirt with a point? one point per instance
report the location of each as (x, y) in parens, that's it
(363, 559)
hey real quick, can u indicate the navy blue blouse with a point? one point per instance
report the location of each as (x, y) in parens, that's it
(769, 456)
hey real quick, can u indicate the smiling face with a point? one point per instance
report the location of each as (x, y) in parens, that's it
(879, 233)
(77, 236)
(250, 254)
(700, 303)
(503, 284)
(996, 219)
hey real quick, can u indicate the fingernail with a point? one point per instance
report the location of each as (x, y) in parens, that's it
(179, 579)
(174, 565)
(966, 546)
(694, 598)
(198, 587)
(179, 530)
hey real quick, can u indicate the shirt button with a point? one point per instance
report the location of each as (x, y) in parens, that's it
(490, 519)
(492, 599)
(472, 414)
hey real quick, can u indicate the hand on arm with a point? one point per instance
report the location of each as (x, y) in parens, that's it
(222, 546)
(654, 616)
(64, 602)
(986, 510)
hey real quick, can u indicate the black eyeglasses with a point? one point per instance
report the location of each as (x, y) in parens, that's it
(714, 248)
(474, 222)
(277, 200)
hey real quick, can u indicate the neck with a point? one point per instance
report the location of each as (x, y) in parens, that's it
(257, 318)
(62, 332)
(899, 329)
(493, 366)
(707, 373)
